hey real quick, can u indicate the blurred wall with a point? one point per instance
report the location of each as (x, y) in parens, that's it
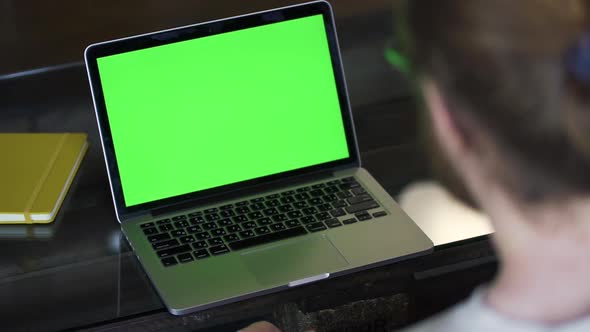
(40, 33)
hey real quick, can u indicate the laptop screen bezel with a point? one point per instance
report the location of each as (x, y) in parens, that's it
(93, 52)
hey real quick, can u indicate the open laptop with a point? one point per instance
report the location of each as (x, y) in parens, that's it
(233, 161)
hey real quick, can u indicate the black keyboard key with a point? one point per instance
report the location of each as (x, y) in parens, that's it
(178, 233)
(287, 199)
(194, 229)
(362, 216)
(272, 196)
(249, 224)
(227, 213)
(286, 208)
(203, 236)
(218, 232)
(271, 237)
(300, 205)
(294, 214)
(165, 244)
(271, 212)
(234, 228)
(185, 258)
(302, 196)
(264, 221)
(181, 217)
(358, 191)
(215, 241)
(201, 253)
(150, 231)
(309, 211)
(315, 201)
(278, 227)
(194, 214)
(339, 204)
(316, 227)
(187, 239)
(332, 190)
(147, 225)
(379, 214)
(279, 218)
(323, 216)
(316, 193)
(257, 206)
(224, 223)
(255, 215)
(344, 194)
(200, 245)
(359, 199)
(262, 230)
(169, 261)
(158, 237)
(348, 186)
(181, 224)
(242, 203)
(231, 237)
(163, 221)
(257, 200)
(348, 179)
(209, 226)
(362, 206)
(226, 207)
(349, 221)
(330, 198)
(242, 218)
(293, 223)
(247, 234)
(242, 210)
(219, 250)
(308, 219)
(173, 251)
(325, 207)
(197, 220)
(288, 193)
(318, 186)
(273, 203)
(166, 228)
(333, 223)
(211, 211)
(212, 217)
(337, 213)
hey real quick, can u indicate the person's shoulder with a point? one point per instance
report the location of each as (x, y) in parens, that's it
(470, 315)
(455, 319)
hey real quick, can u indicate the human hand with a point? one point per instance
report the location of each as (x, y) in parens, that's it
(261, 327)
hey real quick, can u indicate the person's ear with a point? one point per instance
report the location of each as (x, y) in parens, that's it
(443, 122)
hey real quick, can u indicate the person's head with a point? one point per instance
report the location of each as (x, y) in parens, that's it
(507, 86)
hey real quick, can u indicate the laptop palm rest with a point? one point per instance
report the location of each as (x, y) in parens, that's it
(284, 263)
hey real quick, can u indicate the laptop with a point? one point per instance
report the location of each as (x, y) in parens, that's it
(233, 161)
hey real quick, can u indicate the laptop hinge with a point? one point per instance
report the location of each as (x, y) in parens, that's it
(235, 194)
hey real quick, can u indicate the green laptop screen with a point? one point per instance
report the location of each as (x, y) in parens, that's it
(221, 109)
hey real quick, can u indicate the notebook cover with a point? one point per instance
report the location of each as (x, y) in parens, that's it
(36, 174)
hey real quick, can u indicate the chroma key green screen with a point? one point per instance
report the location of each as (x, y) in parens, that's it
(221, 109)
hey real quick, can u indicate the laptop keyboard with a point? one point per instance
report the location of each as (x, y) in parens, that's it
(216, 231)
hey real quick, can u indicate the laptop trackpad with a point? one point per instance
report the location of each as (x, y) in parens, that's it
(292, 261)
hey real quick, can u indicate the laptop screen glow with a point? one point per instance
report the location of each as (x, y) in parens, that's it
(217, 110)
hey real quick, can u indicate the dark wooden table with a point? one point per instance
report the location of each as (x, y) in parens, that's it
(78, 273)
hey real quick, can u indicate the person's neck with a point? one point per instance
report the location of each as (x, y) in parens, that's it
(545, 261)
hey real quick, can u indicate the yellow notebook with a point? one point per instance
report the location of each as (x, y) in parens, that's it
(36, 171)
